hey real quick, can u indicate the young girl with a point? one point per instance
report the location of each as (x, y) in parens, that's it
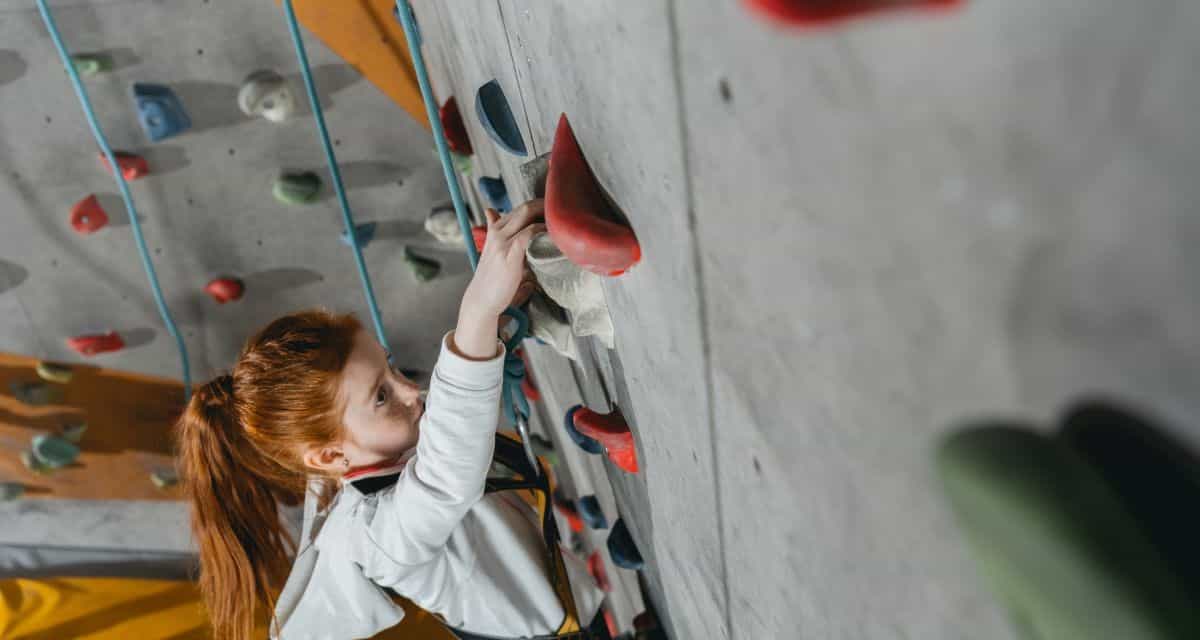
(313, 395)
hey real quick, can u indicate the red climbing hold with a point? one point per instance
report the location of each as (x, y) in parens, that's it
(225, 289)
(569, 512)
(580, 220)
(87, 216)
(479, 235)
(596, 568)
(95, 344)
(527, 386)
(612, 432)
(822, 13)
(132, 165)
(454, 128)
(611, 623)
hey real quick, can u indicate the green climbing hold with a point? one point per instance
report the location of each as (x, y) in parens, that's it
(462, 163)
(425, 269)
(54, 372)
(74, 432)
(90, 64)
(164, 478)
(54, 452)
(36, 393)
(297, 188)
(33, 464)
(10, 491)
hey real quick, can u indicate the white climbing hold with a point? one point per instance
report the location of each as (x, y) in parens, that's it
(548, 323)
(267, 94)
(443, 224)
(578, 291)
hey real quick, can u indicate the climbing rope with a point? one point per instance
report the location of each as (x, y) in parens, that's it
(123, 185)
(516, 407)
(331, 159)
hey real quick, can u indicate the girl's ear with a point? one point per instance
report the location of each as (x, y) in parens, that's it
(326, 459)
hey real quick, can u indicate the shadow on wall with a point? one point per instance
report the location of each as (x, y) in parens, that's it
(362, 174)
(272, 281)
(12, 66)
(11, 275)
(329, 78)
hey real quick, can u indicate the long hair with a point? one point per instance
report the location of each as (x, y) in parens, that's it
(240, 444)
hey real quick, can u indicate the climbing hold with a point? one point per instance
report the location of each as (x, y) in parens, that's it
(87, 216)
(549, 325)
(622, 549)
(531, 392)
(10, 491)
(74, 432)
(497, 118)
(297, 187)
(54, 372)
(132, 165)
(160, 111)
(225, 289)
(576, 289)
(454, 128)
(54, 452)
(90, 64)
(587, 444)
(442, 224)
(425, 269)
(568, 511)
(592, 514)
(462, 163)
(612, 432)
(823, 13)
(267, 94)
(164, 478)
(364, 233)
(95, 344)
(610, 623)
(496, 193)
(595, 566)
(579, 217)
(33, 464)
(479, 236)
(36, 393)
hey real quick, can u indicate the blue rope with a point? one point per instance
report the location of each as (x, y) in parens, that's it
(134, 224)
(331, 159)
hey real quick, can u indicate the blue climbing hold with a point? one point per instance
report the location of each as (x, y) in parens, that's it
(497, 118)
(160, 111)
(364, 232)
(587, 444)
(622, 550)
(592, 514)
(496, 193)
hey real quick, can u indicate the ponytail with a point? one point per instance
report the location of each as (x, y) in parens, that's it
(244, 549)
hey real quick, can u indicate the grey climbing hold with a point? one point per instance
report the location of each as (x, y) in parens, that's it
(266, 93)
(74, 432)
(54, 452)
(425, 269)
(37, 393)
(297, 188)
(10, 491)
(577, 290)
(90, 64)
(54, 372)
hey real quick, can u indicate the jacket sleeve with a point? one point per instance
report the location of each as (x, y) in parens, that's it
(446, 476)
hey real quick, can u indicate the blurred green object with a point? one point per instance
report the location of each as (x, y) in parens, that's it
(425, 269)
(10, 491)
(53, 372)
(1057, 545)
(36, 393)
(74, 432)
(297, 188)
(90, 64)
(54, 452)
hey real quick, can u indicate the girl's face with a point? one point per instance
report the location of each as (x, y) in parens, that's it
(382, 411)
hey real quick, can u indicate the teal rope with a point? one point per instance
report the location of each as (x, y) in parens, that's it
(134, 224)
(331, 159)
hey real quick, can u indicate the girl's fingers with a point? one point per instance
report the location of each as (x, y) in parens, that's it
(521, 240)
(493, 218)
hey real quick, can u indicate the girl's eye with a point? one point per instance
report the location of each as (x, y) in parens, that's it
(381, 396)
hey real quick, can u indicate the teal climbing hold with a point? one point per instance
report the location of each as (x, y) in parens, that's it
(297, 188)
(496, 193)
(425, 269)
(622, 549)
(90, 64)
(54, 452)
(364, 233)
(497, 118)
(74, 432)
(592, 514)
(10, 491)
(32, 463)
(160, 111)
(36, 393)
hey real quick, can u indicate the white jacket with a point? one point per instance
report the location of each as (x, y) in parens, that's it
(432, 537)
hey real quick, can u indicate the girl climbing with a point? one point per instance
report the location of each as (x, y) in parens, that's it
(313, 406)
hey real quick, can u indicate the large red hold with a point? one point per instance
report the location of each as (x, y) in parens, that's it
(595, 566)
(454, 128)
(87, 216)
(95, 344)
(823, 13)
(132, 165)
(578, 216)
(612, 432)
(225, 289)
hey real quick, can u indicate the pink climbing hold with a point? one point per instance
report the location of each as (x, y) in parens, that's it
(132, 165)
(595, 566)
(95, 344)
(87, 216)
(824, 13)
(225, 289)
(454, 128)
(580, 220)
(612, 432)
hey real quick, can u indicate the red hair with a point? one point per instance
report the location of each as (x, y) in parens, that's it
(240, 444)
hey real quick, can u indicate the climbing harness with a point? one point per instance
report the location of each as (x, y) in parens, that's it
(134, 224)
